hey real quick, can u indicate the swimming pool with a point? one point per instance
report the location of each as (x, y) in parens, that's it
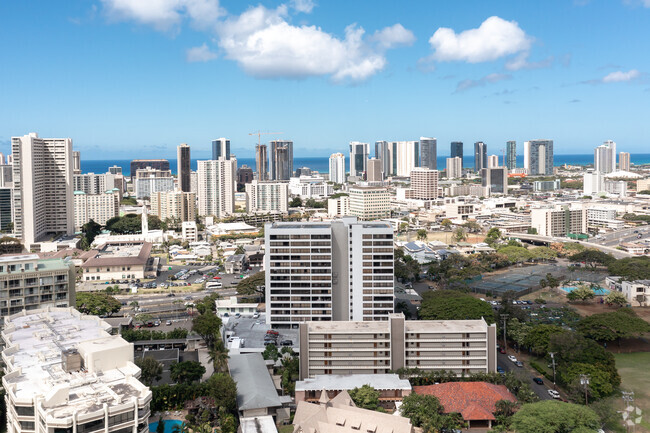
(598, 291)
(169, 425)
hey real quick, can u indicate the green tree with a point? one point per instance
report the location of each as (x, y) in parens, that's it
(89, 231)
(187, 371)
(472, 226)
(222, 388)
(97, 304)
(365, 397)
(240, 250)
(253, 286)
(9, 245)
(446, 224)
(582, 293)
(459, 235)
(422, 235)
(515, 254)
(601, 382)
(631, 268)
(616, 298)
(539, 336)
(552, 416)
(613, 326)
(592, 258)
(531, 231)
(218, 355)
(453, 305)
(151, 370)
(295, 202)
(426, 412)
(271, 352)
(518, 331)
(207, 325)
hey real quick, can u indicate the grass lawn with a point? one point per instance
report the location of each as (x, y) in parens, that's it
(285, 429)
(633, 368)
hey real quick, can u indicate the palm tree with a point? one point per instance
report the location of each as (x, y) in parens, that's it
(181, 428)
(134, 305)
(219, 356)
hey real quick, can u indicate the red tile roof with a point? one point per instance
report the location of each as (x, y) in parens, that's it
(475, 401)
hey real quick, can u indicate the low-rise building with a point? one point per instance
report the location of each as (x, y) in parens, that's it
(236, 263)
(390, 386)
(369, 203)
(189, 231)
(231, 306)
(637, 292)
(312, 186)
(339, 206)
(116, 261)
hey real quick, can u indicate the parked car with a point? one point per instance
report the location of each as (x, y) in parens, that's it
(286, 343)
(502, 350)
(168, 323)
(500, 370)
(267, 342)
(553, 393)
(519, 364)
(256, 315)
(538, 380)
(512, 358)
(272, 332)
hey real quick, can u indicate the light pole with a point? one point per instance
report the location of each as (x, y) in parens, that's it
(553, 361)
(584, 381)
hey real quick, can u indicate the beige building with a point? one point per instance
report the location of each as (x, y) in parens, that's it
(492, 161)
(339, 206)
(216, 187)
(458, 346)
(369, 202)
(454, 167)
(43, 193)
(624, 161)
(116, 261)
(174, 204)
(267, 197)
(374, 173)
(424, 184)
(65, 372)
(150, 180)
(559, 221)
(643, 185)
(97, 207)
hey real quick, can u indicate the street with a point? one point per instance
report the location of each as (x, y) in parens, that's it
(525, 375)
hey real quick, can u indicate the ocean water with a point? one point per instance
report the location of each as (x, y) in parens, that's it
(321, 163)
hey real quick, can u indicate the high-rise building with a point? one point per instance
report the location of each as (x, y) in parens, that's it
(454, 167)
(406, 156)
(6, 176)
(303, 171)
(220, 149)
(624, 161)
(457, 151)
(369, 202)
(374, 173)
(6, 208)
(97, 207)
(156, 164)
(339, 206)
(429, 153)
(493, 161)
(495, 180)
(92, 183)
(281, 160)
(68, 373)
(559, 222)
(244, 176)
(424, 184)
(538, 157)
(358, 158)
(337, 168)
(149, 180)
(177, 205)
(42, 195)
(261, 162)
(184, 167)
(511, 155)
(2, 158)
(383, 152)
(114, 169)
(76, 162)
(265, 197)
(334, 279)
(480, 156)
(216, 182)
(605, 158)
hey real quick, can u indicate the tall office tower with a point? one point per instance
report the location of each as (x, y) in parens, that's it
(424, 184)
(358, 158)
(76, 162)
(495, 179)
(244, 176)
(114, 169)
(344, 272)
(6, 208)
(493, 161)
(373, 172)
(281, 160)
(429, 153)
(156, 164)
(337, 168)
(42, 176)
(97, 207)
(261, 162)
(406, 156)
(454, 167)
(605, 157)
(369, 202)
(511, 155)
(184, 167)
(267, 197)
(624, 161)
(538, 157)
(457, 151)
(216, 181)
(220, 148)
(176, 205)
(384, 153)
(480, 156)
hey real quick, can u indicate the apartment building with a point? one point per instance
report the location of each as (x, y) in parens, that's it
(310, 186)
(643, 185)
(66, 373)
(424, 184)
(546, 185)
(538, 157)
(559, 221)
(369, 203)
(184, 169)
(216, 183)
(92, 183)
(374, 172)
(267, 197)
(338, 270)
(454, 167)
(156, 164)
(337, 168)
(624, 161)
(150, 180)
(6, 209)
(97, 207)
(179, 205)
(339, 206)
(29, 283)
(459, 346)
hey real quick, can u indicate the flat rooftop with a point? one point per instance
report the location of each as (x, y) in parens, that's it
(351, 381)
(118, 253)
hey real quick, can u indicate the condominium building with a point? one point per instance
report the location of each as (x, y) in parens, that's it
(156, 164)
(643, 185)
(369, 203)
(493, 161)
(76, 162)
(454, 167)
(313, 186)
(145, 187)
(358, 158)
(337, 168)
(114, 169)
(598, 218)
(261, 162)
(42, 187)
(383, 153)
(624, 161)
(216, 183)
(511, 155)
(374, 173)
(28, 282)
(339, 206)
(65, 372)
(406, 156)
(457, 151)
(244, 175)
(605, 157)
(220, 148)
(559, 222)
(267, 197)
(338, 270)
(184, 167)
(97, 207)
(6, 176)
(495, 179)
(429, 153)
(459, 346)
(546, 185)
(538, 157)
(177, 205)
(281, 160)
(424, 184)
(480, 156)
(6, 209)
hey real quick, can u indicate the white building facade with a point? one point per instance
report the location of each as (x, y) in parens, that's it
(337, 168)
(267, 197)
(216, 183)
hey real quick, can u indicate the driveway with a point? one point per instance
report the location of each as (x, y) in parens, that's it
(525, 375)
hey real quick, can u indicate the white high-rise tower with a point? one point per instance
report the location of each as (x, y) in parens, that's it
(337, 168)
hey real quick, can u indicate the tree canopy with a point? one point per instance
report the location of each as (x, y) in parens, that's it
(97, 304)
(187, 371)
(612, 326)
(592, 258)
(89, 231)
(365, 397)
(631, 268)
(552, 416)
(453, 305)
(252, 286)
(425, 411)
(207, 325)
(151, 370)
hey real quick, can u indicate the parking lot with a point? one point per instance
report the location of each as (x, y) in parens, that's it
(254, 330)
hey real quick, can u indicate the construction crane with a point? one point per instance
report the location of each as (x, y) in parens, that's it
(259, 135)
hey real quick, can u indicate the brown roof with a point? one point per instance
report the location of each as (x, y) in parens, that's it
(92, 260)
(68, 252)
(475, 401)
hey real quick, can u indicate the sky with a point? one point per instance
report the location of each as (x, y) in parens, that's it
(134, 78)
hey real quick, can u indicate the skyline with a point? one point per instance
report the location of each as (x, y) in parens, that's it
(119, 74)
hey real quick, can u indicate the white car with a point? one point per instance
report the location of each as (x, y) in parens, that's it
(512, 358)
(553, 393)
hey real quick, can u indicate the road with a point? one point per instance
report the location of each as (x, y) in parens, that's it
(619, 236)
(525, 375)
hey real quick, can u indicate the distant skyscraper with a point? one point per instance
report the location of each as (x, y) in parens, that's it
(495, 179)
(244, 176)
(358, 158)
(42, 195)
(454, 167)
(480, 156)
(115, 169)
(281, 160)
(406, 156)
(374, 173)
(538, 157)
(261, 162)
(424, 184)
(337, 168)
(493, 161)
(76, 162)
(429, 153)
(383, 152)
(220, 148)
(457, 151)
(216, 184)
(157, 164)
(605, 157)
(624, 161)
(2, 158)
(511, 155)
(303, 171)
(183, 168)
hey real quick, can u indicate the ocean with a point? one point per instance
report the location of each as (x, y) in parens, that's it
(321, 164)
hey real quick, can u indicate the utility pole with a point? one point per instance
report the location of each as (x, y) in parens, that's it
(553, 361)
(504, 317)
(584, 381)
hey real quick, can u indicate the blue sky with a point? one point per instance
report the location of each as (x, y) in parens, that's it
(133, 78)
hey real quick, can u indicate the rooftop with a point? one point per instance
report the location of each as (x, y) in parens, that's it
(118, 253)
(255, 388)
(351, 381)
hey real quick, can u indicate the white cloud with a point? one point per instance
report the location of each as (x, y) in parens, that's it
(619, 76)
(393, 36)
(495, 38)
(304, 6)
(521, 62)
(488, 79)
(165, 14)
(200, 54)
